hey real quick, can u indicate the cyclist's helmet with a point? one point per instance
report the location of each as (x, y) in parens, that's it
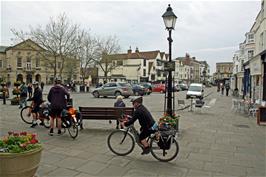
(35, 83)
(137, 99)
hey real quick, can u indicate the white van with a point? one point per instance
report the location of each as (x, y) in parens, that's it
(195, 90)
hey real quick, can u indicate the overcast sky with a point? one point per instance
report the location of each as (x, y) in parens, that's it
(208, 30)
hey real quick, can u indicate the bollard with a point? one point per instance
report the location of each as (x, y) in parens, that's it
(4, 96)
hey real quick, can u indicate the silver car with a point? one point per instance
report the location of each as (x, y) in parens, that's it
(113, 89)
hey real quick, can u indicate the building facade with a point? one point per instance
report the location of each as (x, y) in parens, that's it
(134, 67)
(29, 62)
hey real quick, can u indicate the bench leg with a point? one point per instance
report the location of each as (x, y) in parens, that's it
(117, 124)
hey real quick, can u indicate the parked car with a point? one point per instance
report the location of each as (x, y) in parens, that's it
(158, 88)
(147, 88)
(183, 86)
(138, 90)
(195, 90)
(113, 89)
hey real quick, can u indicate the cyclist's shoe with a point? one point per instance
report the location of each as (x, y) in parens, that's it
(42, 124)
(51, 133)
(33, 125)
(146, 151)
(59, 133)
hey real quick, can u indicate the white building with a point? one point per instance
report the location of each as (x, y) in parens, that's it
(135, 67)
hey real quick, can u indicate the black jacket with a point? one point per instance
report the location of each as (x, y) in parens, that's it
(37, 96)
(58, 96)
(145, 118)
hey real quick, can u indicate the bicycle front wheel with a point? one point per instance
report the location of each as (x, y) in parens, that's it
(26, 114)
(164, 155)
(73, 129)
(120, 142)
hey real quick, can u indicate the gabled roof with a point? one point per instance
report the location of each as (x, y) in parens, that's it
(26, 41)
(137, 55)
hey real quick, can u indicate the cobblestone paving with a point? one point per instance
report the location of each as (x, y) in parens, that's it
(213, 142)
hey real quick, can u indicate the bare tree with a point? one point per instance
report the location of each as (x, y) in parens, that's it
(106, 47)
(60, 38)
(87, 54)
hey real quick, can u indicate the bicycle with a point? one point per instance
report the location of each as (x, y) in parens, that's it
(70, 121)
(162, 143)
(26, 114)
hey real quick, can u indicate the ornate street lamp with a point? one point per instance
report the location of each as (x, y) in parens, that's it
(169, 19)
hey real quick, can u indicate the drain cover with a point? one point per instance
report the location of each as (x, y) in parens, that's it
(241, 126)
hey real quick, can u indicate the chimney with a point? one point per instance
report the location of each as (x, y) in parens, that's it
(137, 50)
(129, 50)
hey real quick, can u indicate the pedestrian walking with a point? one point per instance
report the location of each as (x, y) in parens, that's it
(58, 97)
(222, 89)
(30, 90)
(227, 88)
(23, 95)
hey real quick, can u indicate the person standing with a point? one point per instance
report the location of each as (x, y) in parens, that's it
(42, 85)
(58, 97)
(222, 89)
(227, 87)
(23, 95)
(36, 102)
(30, 90)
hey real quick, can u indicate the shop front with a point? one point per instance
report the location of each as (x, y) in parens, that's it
(256, 78)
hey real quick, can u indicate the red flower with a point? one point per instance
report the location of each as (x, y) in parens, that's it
(33, 136)
(23, 133)
(15, 134)
(33, 141)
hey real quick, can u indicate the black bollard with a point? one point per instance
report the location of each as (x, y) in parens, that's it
(4, 96)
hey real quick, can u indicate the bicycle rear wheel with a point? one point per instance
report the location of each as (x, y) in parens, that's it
(26, 115)
(73, 129)
(164, 155)
(120, 142)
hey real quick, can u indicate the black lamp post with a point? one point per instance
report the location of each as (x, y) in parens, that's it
(169, 19)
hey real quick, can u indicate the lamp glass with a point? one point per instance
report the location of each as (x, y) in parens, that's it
(169, 22)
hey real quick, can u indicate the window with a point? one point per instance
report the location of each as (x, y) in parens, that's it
(144, 72)
(19, 62)
(119, 63)
(144, 62)
(250, 37)
(59, 65)
(114, 63)
(250, 54)
(37, 62)
(261, 43)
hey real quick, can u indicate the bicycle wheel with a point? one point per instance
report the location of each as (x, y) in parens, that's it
(26, 115)
(120, 142)
(164, 155)
(73, 129)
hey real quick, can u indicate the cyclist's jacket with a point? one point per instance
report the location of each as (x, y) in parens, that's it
(145, 118)
(37, 97)
(57, 97)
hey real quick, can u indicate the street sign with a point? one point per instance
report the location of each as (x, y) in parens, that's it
(169, 66)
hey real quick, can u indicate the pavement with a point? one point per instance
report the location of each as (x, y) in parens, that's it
(215, 142)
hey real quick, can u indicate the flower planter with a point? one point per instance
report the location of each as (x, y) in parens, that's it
(22, 164)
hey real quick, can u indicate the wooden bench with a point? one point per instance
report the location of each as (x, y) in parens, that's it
(104, 113)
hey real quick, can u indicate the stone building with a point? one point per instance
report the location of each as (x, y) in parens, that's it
(29, 62)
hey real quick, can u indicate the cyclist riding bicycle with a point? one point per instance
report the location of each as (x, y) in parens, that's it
(146, 122)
